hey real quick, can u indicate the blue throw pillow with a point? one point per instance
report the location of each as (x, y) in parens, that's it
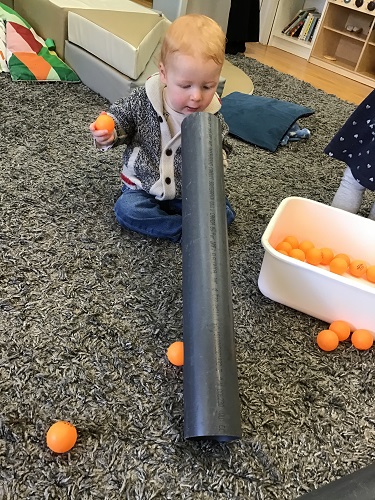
(261, 121)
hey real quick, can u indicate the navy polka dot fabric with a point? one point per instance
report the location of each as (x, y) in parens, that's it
(354, 143)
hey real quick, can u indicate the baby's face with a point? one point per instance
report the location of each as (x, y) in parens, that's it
(190, 82)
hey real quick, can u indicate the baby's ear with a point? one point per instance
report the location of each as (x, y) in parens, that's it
(162, 73)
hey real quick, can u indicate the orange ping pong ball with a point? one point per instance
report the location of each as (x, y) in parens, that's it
(314, 256)
(341, 328)
(343, 256)
(284, 245)
(370, 274)
(357, 268)
(61, 436)
(298, 254)
(362, 339)
(105, 122)
(327, 340)
(327, 255)
(305, 245)
(175, 353)
(292, 240)
(338, 265)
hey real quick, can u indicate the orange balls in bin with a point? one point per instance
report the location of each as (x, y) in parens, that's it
(305, 245)
(314, 256)
(297, 253)
(285, 246)
(357, 268)
(370, 274)
(327, 255)
(292, 240)
(338, 265)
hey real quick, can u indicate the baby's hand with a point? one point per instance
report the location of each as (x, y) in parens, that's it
(102, 137)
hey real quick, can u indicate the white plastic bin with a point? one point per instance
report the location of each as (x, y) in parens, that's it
(315, 290)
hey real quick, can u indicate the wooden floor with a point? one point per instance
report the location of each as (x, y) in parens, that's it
(330, 82)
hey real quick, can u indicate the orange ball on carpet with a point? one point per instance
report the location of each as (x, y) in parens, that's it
(61, 436)
(327, 340)
(175, 353)
(341, 328)
(362, 339)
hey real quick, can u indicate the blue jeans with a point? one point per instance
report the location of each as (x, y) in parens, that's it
(143, 213)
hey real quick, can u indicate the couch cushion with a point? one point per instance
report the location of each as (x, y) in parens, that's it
(49, 18)
(124, 40)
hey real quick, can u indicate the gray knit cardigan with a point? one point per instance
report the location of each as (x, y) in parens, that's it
(152, 158)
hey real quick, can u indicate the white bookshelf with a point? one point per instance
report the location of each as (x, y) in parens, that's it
(286, 10)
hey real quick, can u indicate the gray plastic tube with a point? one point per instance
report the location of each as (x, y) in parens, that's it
(360, 485)
(211, 396)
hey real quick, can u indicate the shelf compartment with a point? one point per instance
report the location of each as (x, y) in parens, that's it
(345, 50)
(366, 64)
(338, 17)
(349, 34)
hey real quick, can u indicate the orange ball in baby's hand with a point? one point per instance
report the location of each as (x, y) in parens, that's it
(327, 340)
(175, 353)
(61, 436)
(105, 122)
(362, 339)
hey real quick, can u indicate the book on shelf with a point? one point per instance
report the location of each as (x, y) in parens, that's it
(296, 30)
(296, 19)
(313, 29)
(302, 25)
(307, 27)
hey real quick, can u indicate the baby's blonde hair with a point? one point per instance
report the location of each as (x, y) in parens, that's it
(194, 35)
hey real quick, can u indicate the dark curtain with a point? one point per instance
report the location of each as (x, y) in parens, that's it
(243, 25)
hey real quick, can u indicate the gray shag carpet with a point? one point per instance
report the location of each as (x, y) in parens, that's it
(88, 310)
